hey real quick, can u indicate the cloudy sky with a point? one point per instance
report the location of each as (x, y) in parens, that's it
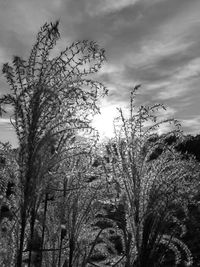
(155, 43)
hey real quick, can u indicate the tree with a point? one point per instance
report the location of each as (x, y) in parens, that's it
(52, 99)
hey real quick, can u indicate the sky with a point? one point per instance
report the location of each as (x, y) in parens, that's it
(155, 43)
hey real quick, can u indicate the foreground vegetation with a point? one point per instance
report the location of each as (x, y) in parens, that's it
(67, 200)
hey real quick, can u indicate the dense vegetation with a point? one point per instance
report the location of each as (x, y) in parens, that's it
(67, 200)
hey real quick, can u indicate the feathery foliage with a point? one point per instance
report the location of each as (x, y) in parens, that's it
(52, 99)
(154, 192)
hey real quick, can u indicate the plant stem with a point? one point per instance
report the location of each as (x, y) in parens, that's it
(43, 226)
(32, 224)
(60, 249)
(23, 226)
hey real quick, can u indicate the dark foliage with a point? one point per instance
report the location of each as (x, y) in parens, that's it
(190, 145)
(10, 189)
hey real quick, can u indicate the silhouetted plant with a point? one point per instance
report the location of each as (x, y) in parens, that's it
(153, 188)
(51, 99)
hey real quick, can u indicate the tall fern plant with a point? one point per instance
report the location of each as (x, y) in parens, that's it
(51, 99)
(153, 191)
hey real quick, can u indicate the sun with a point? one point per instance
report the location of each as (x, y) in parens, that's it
(104, 122)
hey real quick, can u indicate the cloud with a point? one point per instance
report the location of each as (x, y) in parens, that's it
(154, 50)
(191, 126)
(181, 83)
(96, 8)
(172, 91)
(190, 70)
(3, 56)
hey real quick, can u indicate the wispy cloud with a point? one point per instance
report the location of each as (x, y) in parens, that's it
(96, 8)
(152, 51)
(191, 125)
(181, 83)
(190, 70)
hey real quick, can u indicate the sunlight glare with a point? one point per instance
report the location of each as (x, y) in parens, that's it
(104, 122)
